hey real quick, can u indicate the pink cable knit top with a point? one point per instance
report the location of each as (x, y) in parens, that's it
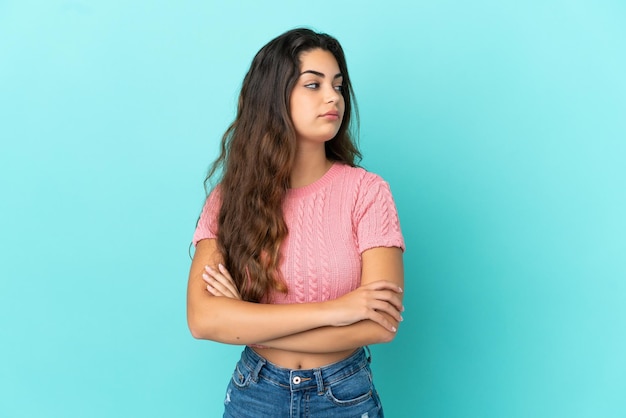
(331, 222)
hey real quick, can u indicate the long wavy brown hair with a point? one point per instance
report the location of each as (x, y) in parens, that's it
(257, 156)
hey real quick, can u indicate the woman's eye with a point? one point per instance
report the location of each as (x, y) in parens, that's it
(312, 85)
(339, 88)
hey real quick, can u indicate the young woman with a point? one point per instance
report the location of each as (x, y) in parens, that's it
(298, 251)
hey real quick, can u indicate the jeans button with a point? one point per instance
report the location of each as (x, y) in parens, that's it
(296, 380)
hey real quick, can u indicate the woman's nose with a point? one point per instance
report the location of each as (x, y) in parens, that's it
(333, 96)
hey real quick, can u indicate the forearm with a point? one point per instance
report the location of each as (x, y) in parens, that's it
(331, 339)
(378, 262)
(233, 321)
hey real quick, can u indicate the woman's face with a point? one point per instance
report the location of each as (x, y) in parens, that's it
(316, 105)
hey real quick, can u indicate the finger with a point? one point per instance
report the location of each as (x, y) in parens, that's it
(227, 280)
(384, 322)
(221, 282)
(210, 273)
(212, 290)
(223, 289)
(225, 272)
(225, 284)
(389, 296)
(389, 310)
(212, 278)
(215, 292)
(216, 273)
(211, 286)
(394, 299)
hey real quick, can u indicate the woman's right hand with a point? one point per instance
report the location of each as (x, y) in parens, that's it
(369, 302)
(220, 283)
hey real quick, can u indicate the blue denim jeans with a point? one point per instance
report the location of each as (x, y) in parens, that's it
(260, 389)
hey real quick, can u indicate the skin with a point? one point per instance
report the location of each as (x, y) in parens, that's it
(307, 335)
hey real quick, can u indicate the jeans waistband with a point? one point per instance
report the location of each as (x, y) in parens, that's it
(302, 379)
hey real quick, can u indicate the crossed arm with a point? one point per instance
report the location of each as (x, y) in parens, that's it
(368, 315)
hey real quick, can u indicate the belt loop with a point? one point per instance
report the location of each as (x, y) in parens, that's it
(320, 381)
(368, 354)
(257, 369)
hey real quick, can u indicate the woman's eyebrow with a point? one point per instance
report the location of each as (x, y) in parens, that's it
(317, 73)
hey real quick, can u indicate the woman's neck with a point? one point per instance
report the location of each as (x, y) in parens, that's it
(309, 166)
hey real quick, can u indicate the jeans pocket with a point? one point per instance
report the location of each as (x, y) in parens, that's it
(353, 390)
(241, 376)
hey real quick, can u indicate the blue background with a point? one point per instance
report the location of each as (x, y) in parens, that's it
(500, 125)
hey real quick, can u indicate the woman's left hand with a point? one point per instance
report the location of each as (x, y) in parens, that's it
(220, 283)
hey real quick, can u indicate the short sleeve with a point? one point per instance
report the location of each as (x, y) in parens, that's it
(376, 219)
(207, 224)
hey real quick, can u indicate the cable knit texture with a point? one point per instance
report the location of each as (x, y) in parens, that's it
(331, 222)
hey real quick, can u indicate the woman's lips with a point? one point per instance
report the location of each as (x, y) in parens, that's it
(332, 115)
